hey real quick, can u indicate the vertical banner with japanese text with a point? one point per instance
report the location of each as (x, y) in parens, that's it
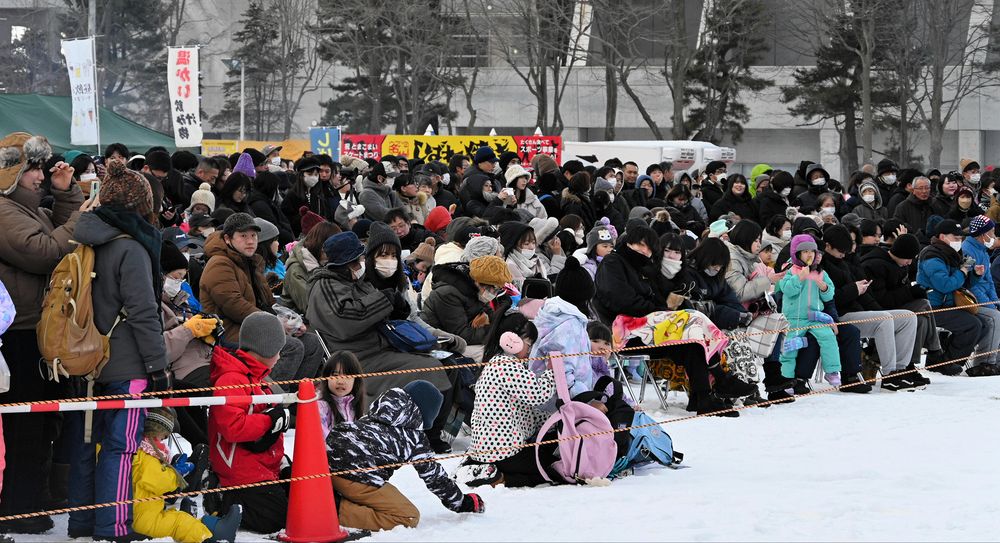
(182, 85)
(84, 130)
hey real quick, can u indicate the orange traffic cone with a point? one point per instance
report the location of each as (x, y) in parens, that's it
(312, 513)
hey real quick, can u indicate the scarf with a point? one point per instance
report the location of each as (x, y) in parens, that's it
(344, 407)
(131, 223)
(527, 267)
(156, 450)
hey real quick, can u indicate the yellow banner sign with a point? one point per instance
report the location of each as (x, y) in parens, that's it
(290, 149)
(442, 148)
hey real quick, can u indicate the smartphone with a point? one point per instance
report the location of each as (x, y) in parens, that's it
(95, 188)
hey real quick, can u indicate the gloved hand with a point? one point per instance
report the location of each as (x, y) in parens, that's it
(160, 381)
(200, 326)
(918, 291)
(481, 320)
(280, 419)
(182, 465)
(472, 503)
(745, 319)
(400, 307)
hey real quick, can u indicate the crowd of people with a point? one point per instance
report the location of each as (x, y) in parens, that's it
(251, 269)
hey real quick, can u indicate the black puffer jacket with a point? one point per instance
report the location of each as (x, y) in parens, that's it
(624, 286)
(454, 303)
(846, 295)
(474, 204)
(890, 285)
(914, 212)
(578, 204)
(740, 205)
(262, 205)
(390, 433)
(770, 204)
(726, 308)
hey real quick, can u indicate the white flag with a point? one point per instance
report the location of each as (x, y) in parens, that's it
(83, 90)
(182, 85)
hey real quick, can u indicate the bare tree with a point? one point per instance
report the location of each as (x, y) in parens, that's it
(541, 41)
(957, 62)
(678, 55)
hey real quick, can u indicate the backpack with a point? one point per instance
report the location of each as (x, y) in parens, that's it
(580, 459)
(620, 413)
(649, 444)
(69, 341)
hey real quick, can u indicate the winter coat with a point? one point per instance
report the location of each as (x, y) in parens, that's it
(939, 270)
(960, 215)
(230, 427)
(984, 290)
(390, 433)
(346, 313)
(454, 303)
(885, 193)
(417, 207)
(844, 275)
(262, 206)
(731, 203)
(914, 213)
(32, 242)
(685, 215)
(769, 205)
(418, 234)
(942, 205)
(123, 286)
(890, 282)
(445, 198)
(710, 193)
(317, 199)
(232, 286)
(184, 353)
(445, 254)
(874, 211)
(297, 269)
(474, 204)
(897, 197)
(741, 265)
(506, 411)
(779, 244)
(151, 478)
(579, 205)
(611, 212)
(378, 199)
(623, 286)
(801, 296)
(726, 304)
(563, 328)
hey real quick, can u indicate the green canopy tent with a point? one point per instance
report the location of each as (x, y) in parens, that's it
(50, 116)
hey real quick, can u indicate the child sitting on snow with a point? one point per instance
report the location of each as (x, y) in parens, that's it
(154, 475)
(392, 432)
(805, 290)
(343, 398)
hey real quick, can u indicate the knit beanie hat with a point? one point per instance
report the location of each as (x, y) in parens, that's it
(361, 228)
(438, 219)
(801, 242)
(184, 161)
(515, 172)
(159, 419)
(640, 212)
(203, 196)
(309, 219)
(125, 188)
(380, 234)
(967, 164)
(839, 237)
(906, 247)
(980, 225)
(427, 398)
(423, 253)
(597, 236)
(268, 230)
(262, 334)
(490, 270)
(245, 166)
(544, 228)
(171, 258)
(604, 185)
(575, 285)
(480, 246)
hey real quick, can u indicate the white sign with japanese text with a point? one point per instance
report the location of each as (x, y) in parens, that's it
(84, 130)
(182, 83)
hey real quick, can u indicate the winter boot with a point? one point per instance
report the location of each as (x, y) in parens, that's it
(982, 370)
(802, 387)
(224, 528)
(710, 404)
(730, 386)
(780, 396)
(692, 405)
(33, 525)
(935, 362)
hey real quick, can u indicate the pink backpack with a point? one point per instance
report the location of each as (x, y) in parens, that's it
(581, 458)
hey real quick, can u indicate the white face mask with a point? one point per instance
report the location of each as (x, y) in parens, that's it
(310, 180)
(956, 245)
(276, 161)
(827, 211)
(868, 198)
(989, 244)
(496, 168)
(786, 193)
(578, 237)
(786, 235)
(527, 253)
(88, 176)
(386, 266)
(446, 179)
(669, 268)
(171, 286)
(361, 271)
(818, 182)
(487, 297)
(207, 231)
(889, 179)
(975, 178)
(711, 272)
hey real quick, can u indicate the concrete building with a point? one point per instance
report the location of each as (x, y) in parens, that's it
(503, 103)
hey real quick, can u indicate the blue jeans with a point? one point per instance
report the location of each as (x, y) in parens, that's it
(106, 476)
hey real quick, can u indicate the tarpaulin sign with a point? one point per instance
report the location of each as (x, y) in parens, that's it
(182, 86)
(85, 128)
(361, 145)
(325, 140)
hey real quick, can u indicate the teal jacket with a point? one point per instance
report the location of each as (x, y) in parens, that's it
(799, 297)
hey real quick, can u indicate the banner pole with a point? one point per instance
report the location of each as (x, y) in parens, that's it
(97, 92)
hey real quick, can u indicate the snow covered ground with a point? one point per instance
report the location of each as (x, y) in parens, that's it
(918, 466)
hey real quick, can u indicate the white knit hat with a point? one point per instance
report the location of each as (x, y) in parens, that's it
(203, 196)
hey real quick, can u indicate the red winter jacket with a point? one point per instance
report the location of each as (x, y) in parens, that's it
(230, 425)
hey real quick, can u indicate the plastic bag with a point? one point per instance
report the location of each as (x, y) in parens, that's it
(291, 320)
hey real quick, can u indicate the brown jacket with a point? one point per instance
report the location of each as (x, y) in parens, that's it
(232, 286)
(184, 353)
(32, 242)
